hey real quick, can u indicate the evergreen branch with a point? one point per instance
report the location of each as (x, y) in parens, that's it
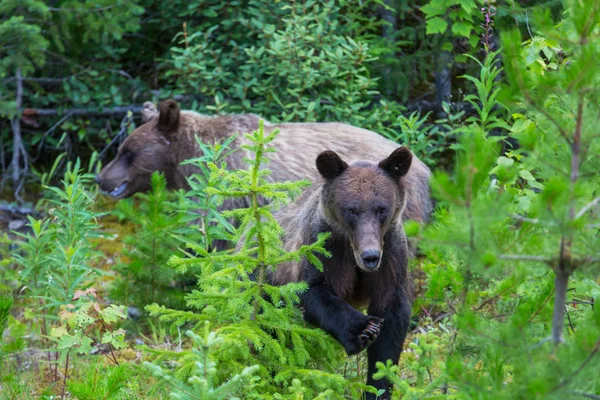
(542, 110)
(168, 315)
(585, 362)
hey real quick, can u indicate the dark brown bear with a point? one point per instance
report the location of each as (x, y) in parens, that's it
(360, 204)
(168, 138)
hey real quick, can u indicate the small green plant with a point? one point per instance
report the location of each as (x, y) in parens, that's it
(85, 318)
(101, 382)
(159, 220)
(8, 379)
(72, 226)
(259, 324)
(203, 212)
(200, 384)
(8, 275)
(423, 138)
(57, 258)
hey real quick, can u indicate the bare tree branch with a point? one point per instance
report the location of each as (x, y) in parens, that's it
(105, 111)
(14, 209)
(525, 219)
(586, 395)
(524, 257)
(52, 128)
(81, 10)
(588, 206)
(120, 136)
(587, 260)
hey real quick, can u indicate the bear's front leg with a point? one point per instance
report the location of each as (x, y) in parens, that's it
(391, 339)
(354, 330)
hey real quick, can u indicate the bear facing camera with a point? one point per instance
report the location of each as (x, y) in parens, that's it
(361, 204)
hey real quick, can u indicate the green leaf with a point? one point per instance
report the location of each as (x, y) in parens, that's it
(505, 161)
(269, 29)
(83, 344)
(436, 25)
(433, 8)
(462, 28)
(59, 331)
(447, 46)
(526, 175)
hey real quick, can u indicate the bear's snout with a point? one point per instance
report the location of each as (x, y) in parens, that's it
(370, 258)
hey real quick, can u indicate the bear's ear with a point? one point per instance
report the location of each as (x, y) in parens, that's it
(168, 117)
(330, 165)
(148, 111)
(398, 163)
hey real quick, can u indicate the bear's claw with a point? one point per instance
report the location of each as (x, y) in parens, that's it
(370, 333)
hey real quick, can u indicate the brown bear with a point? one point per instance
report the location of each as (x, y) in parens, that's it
(168, 138)
(360, 204)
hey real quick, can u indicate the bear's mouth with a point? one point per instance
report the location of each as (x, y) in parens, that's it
(370, 266)
(119, 190)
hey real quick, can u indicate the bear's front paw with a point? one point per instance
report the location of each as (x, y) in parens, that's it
(370, 333)
(363, 335)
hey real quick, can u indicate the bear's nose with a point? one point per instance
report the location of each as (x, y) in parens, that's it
(370, 258)
(97, 179)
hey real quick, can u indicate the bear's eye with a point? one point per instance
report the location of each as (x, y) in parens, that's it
(381, 211)
(352, 211)
(127, 156)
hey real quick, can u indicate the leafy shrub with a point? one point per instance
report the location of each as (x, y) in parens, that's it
(57, 260)
(304, 65)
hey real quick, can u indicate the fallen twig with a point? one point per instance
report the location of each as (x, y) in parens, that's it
(15, 209)
(104, 111)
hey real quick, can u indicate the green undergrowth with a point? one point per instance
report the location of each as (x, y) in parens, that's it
(507, 277)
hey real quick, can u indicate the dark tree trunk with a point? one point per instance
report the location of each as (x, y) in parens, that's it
(387, 13)
(443, 79)
(15, 124)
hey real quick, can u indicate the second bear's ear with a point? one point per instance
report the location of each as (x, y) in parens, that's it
(330, 165)
(398, 163)
(148, 111)
(168, 117)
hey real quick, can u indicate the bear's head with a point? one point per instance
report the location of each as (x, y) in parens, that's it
(146, 149)
(363, 200)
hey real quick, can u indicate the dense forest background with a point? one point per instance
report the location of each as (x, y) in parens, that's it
(107, 300)
(72, 70)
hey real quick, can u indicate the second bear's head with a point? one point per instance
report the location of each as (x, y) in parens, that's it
(146, 150)
(364, 200)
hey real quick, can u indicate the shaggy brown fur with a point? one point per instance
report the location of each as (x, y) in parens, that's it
(360, 204)
(168, 138)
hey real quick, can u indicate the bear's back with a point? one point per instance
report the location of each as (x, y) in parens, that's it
(299, 144)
